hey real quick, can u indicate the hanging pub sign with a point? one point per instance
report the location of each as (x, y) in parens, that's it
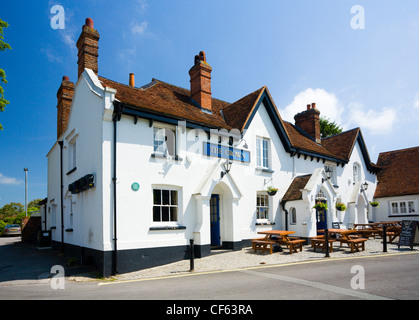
(226, 152)
(407, 234)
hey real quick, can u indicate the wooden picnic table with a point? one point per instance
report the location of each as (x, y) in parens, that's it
(367, 229)
(346, 236)
(277, 237)
(392, 231)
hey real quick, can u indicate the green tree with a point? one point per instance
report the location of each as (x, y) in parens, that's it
(11, 209)
(329, 128)
(3, 46)
(34, 204)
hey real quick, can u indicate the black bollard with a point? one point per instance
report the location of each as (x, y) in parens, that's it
(326, 242)
(384, 238)
(191, 256)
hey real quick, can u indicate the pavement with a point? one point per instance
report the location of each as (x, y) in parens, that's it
(227, 260)
(24, 263)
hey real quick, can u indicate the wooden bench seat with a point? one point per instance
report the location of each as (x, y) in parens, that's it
(321, 243)
(356, 244)
(293, 245)
(262, 244)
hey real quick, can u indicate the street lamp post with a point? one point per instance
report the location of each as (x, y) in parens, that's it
(26, 191)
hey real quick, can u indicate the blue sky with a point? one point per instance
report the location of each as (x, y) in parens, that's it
(303, 51)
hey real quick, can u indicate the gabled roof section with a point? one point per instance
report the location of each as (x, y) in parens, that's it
(237, 113)
(294, 190)
(399, 173)
(342, 144)
(301, 142)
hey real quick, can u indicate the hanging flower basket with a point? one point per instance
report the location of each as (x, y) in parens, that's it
(320, 206)
(272, 191)
(340, 206)
(374, 203)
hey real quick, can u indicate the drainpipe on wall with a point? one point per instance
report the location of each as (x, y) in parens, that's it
(286, 214)
(116, 117)
(62, 196)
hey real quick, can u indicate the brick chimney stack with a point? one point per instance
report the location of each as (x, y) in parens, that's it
(64, 99)
(88, 46)
(309, 122)
(200, 78)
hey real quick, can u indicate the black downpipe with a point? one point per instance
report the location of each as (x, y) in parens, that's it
(62, 196)
(116, 117)
(286, 214)
(115, 239)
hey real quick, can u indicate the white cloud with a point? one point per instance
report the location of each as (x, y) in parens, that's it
(7, 180)
(139, 28)
(51, 55)
(376, 121)
(353, 115)
(416, 101)
(142, 5)
(326, 102)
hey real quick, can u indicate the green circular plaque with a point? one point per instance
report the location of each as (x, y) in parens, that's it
(135, 186)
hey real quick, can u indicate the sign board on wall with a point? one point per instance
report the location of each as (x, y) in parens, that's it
(226, 152)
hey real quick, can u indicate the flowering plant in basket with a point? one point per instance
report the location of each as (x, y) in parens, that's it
(272, 191)
(340, 206)
(320, 205)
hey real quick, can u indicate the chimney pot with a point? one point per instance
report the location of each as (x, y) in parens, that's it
(66, 78)
(89, 23)
(131, 80)
(308, 107)
(313, 105)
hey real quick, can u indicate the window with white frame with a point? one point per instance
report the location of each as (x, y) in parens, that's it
(402, 207)
(72, 154)
(262, 152)
(262, 206)
(165, 205)
(164, 141)
(356, 173)
(293, 219)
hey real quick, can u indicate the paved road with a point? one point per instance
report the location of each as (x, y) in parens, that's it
(383, 277)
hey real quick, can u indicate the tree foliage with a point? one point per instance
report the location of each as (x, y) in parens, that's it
(3, 46)
(14, 212)
(329, 128)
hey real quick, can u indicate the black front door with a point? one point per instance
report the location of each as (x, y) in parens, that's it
(215, 219)
(321, 217)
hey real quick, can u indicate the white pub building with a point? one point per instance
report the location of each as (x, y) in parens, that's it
(137, 172)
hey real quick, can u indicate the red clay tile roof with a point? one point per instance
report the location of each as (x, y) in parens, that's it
(294, 190)
(300, 141)
(399, 173)
(341, 144)
(162, 98)
(237, 113)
